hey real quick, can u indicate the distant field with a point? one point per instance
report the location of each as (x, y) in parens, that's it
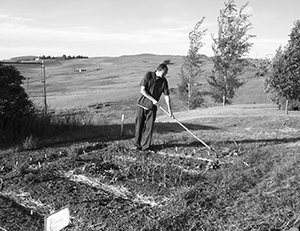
(79, 83)
(101, 80)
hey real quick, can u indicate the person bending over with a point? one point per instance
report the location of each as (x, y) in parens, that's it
(152, 85)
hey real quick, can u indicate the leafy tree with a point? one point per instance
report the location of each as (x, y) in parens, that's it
(292, 57)
(14, 102)
(282, 81)
(275, 77)
(229, 47)
(191, 69)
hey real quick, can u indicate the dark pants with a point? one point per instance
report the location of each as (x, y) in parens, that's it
(144, 120)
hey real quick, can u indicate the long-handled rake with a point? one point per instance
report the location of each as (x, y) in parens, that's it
(210, 148)
(212, 163)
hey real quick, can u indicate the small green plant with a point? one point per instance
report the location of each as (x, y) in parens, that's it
(29, 143)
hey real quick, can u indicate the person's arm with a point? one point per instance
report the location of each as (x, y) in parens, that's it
(147, 95)
(168, 102)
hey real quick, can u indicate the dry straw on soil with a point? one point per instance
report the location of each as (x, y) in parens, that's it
(117, 191)
(25, 200)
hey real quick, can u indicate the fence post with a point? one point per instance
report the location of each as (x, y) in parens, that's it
(44, 84)
(122, 124)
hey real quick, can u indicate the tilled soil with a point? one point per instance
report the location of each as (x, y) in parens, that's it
(120, 189)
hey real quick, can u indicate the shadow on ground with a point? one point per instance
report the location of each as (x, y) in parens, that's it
(194, 144)
(102, 133)
(163, 128)
(160, 128)
(268, 141)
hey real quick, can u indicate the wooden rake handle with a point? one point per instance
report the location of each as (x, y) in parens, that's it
(187, 129)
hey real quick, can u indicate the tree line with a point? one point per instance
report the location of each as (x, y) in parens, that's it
(64, 57)
(229, 46)
(282, 81)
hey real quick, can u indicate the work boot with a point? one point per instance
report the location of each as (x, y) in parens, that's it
(136, 148)
(149, 150)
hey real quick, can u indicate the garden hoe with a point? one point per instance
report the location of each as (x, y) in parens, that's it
(210, 148)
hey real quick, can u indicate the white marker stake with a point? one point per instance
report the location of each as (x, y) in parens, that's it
(57, 220)
(122, 124)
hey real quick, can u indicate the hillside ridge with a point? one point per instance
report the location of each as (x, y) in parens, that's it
(78, 83)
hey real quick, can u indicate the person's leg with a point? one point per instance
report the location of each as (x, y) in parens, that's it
(139, 125)
(149, 124)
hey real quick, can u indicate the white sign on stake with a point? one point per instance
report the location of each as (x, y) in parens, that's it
(122, 124)
(57, 220)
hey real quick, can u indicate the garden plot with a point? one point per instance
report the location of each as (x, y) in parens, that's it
(92, 177)
(107, 186)
(90, 182)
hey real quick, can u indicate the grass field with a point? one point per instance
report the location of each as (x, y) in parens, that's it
(250, 182)
(104, 79)
(116, 79)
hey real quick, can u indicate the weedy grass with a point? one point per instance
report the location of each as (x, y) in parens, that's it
(256, 186)
(41, 130)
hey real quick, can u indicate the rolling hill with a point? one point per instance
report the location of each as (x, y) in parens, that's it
(79, 83)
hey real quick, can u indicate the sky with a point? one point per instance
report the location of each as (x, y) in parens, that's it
(96, 28)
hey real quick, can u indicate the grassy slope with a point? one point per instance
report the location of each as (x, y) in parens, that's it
(113, 79)
(105, 79)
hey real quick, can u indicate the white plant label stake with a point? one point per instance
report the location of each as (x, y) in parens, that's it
(57, 220)
(122, 124)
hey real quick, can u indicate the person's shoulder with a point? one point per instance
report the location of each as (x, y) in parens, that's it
(149, 74)
(164, 79)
